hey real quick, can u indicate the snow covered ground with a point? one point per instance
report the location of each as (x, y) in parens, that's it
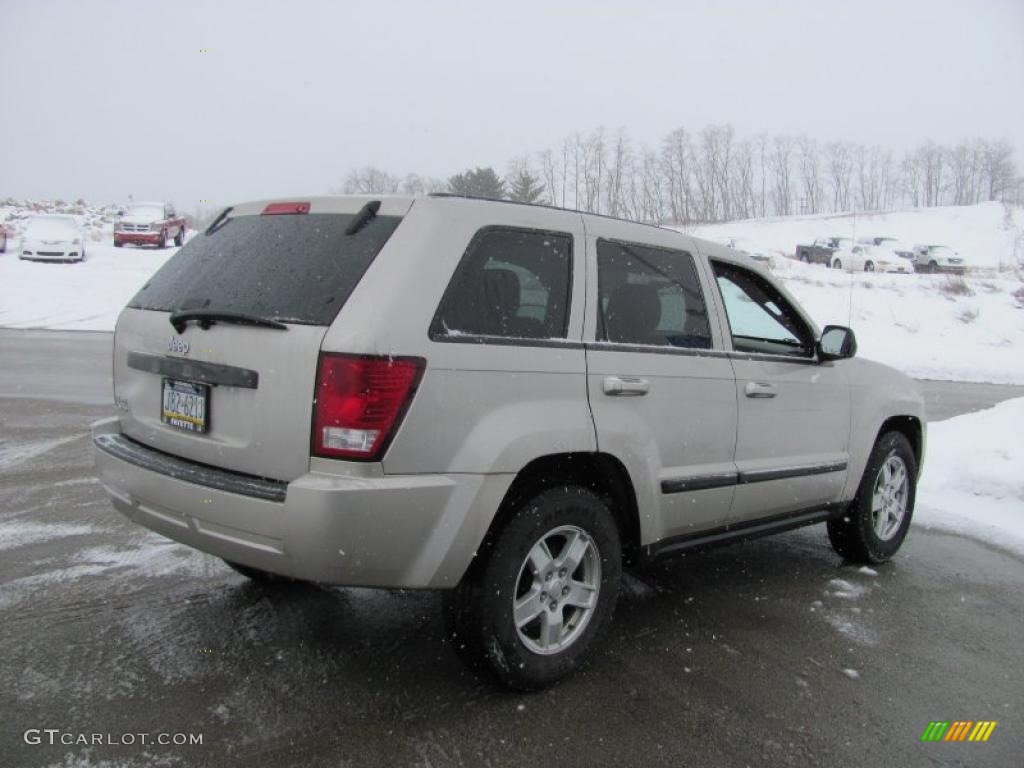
(973, 481)
(928, 326)
(85, 297)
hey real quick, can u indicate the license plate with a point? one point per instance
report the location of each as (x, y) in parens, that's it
(185, 405)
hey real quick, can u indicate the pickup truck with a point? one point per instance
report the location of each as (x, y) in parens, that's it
(821, 250)
(149, 224)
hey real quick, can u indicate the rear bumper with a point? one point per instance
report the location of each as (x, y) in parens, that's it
(139, 238)
(407, 531)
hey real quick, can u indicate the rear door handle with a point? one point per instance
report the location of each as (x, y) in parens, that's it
(761, 389)
(625, 386)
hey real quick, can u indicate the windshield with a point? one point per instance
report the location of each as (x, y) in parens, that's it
(296, 269)
(51, 227)
(148, 212)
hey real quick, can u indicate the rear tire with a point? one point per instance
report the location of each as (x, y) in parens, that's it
(877, 520)
(805, 259)
(837, 264)
(563, 539)
(179, 239)
(933, 267)
(869, 266)
(118, 244)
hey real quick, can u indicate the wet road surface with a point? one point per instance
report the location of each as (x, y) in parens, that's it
(771, 652)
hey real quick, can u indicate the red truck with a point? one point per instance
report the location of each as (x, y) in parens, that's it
(149, 224)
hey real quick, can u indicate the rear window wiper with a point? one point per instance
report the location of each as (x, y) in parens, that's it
(363, 217)
(207, 317)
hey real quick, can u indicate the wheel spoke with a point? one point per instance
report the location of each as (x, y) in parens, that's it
(580, 595)
(540, 558)
(881, 519)
(877, 501)
(886, 473)
(573, 552)
(551, 628)
(528, 607)
(899, 477)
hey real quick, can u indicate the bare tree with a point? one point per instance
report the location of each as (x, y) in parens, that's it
(839, 161)
(810, 173)
(370, 181)
(782, 173)
(676, 156)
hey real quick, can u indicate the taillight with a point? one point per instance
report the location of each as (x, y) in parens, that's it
(359, 402)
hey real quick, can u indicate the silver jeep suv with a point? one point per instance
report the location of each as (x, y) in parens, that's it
(504, 401)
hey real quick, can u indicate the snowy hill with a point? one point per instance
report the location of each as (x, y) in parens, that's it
(989, 235)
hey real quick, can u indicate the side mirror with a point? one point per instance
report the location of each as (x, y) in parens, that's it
(837, 343)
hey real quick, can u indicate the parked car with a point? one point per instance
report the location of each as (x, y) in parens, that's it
(502, 401)
(747, 248)
(896, 246)
(869, 258)
(149, 224)
(53, 237)
(3, 238)
(821, 250)
(938, 258)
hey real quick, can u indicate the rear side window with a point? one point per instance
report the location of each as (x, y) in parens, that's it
(512, 283)
(650, 296)
(295, 269)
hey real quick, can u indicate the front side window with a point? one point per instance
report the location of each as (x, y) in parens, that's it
(650, 296)
(511, 282)
(760, 319)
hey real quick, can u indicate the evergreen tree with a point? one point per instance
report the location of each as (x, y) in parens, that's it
(478, 182)
(524, 187)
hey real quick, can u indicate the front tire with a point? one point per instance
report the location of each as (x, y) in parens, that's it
(529, 613)
(869, 266)
(837, 264)
(877, 520)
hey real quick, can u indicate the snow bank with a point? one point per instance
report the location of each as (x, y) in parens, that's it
(973, 481)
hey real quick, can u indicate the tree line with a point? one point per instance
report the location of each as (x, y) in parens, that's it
(713, 175)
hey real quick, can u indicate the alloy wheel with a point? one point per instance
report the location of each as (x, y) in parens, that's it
(557, 590)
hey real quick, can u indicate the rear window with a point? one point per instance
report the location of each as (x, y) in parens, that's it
(295, 269)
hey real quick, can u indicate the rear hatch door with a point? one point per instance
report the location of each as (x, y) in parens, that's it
(230, 383)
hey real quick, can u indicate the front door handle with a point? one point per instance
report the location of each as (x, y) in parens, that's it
(761, 389)
(625, 386)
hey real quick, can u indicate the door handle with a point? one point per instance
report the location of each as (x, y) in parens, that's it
(761, 389)
(625, 386)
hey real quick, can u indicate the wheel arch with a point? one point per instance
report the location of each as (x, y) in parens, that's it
(910, 427)
(602, 473)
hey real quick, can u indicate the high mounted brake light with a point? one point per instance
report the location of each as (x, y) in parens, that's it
(359, 402)
(285, 208)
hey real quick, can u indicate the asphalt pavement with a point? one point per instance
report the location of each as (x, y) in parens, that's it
(771, 652)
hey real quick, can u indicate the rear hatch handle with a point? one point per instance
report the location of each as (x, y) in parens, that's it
(207, 317)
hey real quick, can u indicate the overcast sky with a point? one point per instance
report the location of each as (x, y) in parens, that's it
(101, 99)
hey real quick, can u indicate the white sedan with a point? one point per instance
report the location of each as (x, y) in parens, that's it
(53, 237)
(869, 258)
